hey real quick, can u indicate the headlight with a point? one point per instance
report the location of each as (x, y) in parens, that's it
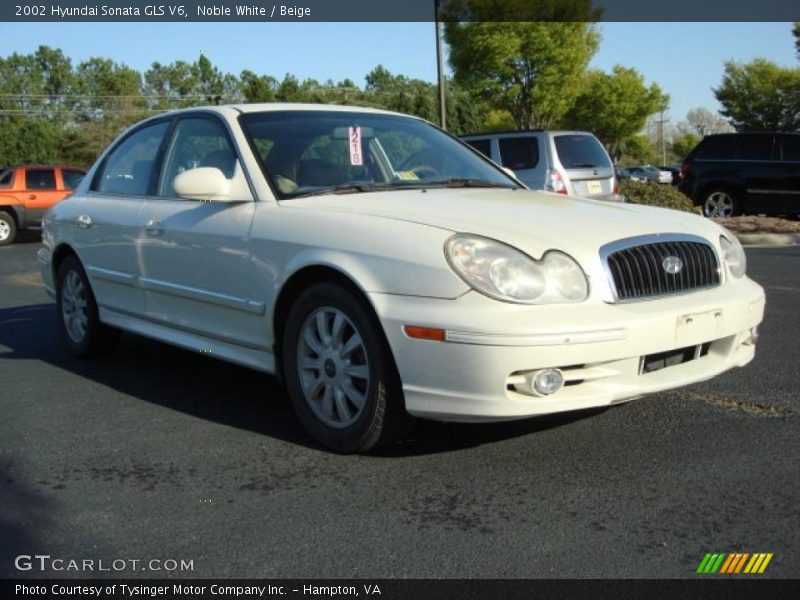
(733, 254)
(505, 273)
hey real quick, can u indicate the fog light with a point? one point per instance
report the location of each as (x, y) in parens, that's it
(547, 382)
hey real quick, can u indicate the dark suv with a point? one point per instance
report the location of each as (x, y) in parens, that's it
(740, 173)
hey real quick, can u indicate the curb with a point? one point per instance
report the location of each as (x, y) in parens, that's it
(768, 239)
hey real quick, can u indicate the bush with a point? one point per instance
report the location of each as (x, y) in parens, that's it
(655, 194)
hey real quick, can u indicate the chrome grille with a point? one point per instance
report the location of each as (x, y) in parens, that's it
(637, 270)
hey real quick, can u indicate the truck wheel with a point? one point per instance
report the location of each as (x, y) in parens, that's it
(8, 228)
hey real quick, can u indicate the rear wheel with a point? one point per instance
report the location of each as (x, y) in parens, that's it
(8, 228)
(339, 370)
(81, 329)
(720, 203)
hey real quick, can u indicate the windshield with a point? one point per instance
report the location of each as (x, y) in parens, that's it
(306, 153)
(580, 151)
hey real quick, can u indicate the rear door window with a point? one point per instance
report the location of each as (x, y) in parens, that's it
(71, 178)
(720, 147)
(130, 167)
(6, 178)
(791, 147)
(519, 152)
(483, 146)
(580, 151)
(755, 147)
(40, 179)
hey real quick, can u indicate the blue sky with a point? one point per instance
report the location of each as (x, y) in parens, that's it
(685, 59)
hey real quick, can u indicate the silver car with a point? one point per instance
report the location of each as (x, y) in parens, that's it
(648, 173)
(565, 162)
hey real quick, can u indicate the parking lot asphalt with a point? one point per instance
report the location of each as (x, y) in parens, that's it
(153, 452)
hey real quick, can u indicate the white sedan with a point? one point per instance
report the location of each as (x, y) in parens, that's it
(383, 269)
(648, 173)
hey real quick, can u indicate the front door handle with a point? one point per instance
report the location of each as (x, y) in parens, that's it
(153, 227)
(84, 221)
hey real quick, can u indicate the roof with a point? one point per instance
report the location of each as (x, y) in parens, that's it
(44, 166)
(524, 131)
(278, 106)
(286, 106)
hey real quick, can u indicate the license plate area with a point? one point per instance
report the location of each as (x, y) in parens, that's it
(594, 187)
(692, 328)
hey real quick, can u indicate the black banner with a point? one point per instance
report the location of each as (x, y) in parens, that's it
(410, 589)
(391, 11)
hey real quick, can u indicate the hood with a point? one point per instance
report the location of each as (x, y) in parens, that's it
(532, 221)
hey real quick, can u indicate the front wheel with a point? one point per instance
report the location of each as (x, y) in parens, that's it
(81, 329)
(720, 203)
(339, 370)
(8, 228)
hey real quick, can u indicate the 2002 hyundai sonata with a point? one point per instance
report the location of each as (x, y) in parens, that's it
(383, 269)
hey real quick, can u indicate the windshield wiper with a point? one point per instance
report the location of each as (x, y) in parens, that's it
(347, 188)
(585, 166)
(467, 182)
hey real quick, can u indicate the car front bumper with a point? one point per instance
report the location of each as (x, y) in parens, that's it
(482, 371)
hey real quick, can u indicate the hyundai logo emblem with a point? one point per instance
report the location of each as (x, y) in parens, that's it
(672, 265)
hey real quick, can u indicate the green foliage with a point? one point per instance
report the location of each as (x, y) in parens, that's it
(257, 88)
(760, 96)
(796, 34)
(519, 10)
(532, 70)
(683, 144)
(615, 106)
(655, 194)
(637, 150)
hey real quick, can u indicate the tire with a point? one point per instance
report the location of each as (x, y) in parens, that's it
(336, 357)
(720, 202)
(8, 228)
(83, 333)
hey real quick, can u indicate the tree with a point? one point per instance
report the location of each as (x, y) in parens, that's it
(615, 106)
(701, 122)
(796, 34)
(638, 149)
(760, 95)
(257, 88)
(683, 144)
(533, 70)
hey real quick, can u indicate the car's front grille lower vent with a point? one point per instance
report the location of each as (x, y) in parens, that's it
(662, 268)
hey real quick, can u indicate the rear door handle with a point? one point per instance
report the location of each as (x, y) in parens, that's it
(84, 221)
(31, 196)
(153, 227)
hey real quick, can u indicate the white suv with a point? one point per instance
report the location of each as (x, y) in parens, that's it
(565, 162)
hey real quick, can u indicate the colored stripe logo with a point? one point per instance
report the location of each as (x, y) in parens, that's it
(734, 563)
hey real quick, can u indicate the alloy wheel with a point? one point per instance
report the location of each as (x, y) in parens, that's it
(718, 204)
(74, 307)
(333, 367)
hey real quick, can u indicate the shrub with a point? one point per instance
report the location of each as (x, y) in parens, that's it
(655, 194)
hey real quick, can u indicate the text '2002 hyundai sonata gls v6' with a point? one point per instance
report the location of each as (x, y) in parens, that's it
(383, 269)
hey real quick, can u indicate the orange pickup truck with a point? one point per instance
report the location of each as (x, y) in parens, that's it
(27, 191)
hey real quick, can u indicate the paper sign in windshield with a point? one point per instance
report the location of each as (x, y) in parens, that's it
(355, 146)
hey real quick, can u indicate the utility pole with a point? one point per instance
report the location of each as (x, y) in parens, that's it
(440, 65)
(662, 138)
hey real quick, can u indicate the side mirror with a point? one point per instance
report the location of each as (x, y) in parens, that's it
(202, 183)
(509, 172)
